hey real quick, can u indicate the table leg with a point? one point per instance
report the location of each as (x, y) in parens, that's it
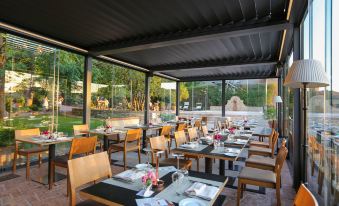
(51, 157)
(222, 167)
(230, 165)
(144, 139)
(208, 165)
(105, 143)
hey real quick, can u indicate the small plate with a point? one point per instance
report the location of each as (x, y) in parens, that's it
(141, 166)
(191, 202)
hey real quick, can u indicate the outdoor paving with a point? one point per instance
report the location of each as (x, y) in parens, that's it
(18, 191)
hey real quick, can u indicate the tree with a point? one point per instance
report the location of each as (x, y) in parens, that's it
(2, 76)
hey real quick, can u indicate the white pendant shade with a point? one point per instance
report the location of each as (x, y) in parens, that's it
(277, 99)
(307, 71)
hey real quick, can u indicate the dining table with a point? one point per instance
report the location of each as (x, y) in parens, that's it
(51, 144)
(113, 191)
(106, 134)
(229, 151)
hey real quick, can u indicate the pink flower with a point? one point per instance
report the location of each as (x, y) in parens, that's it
(217, 137)
(45, 132)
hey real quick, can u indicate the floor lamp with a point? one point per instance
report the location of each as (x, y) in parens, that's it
(277, 100)
(305, 74)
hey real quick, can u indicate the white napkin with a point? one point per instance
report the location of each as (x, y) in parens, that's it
(146, 192)
(202, 190)
(151, 202)
(190, 146)
(130, 175)
(240, 141)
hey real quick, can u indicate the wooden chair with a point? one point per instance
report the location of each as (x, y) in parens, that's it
(262, 162)
(192, 134)
(166, 132)
(83, 130)
(79, 147)
(262, 143)
(181, 127)
(219, 125)
(262, 178)
(131, 143)
(180, 138)
(38, 150)
(304, 197)
(85, 170)
(204, 120)
(197, 124)
(159, 144)
(253, 150)
(204, 130)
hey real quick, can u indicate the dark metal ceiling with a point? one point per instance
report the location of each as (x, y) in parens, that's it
(164, 36)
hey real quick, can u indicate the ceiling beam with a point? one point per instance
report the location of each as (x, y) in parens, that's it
(217, 32)
(226, 77)
(205, 65)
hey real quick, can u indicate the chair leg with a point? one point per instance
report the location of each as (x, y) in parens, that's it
(68, 186)
(14, 162)
(239, 193)
(109, 156)
(197, 164)
(139, 157)
(320, 181)
(312, 166)
(278, 194)
(27, 167)
(125, 160)
(40, 159)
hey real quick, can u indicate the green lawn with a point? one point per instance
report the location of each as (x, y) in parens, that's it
(40, 121)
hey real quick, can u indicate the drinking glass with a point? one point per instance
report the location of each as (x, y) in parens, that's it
(178, 176)
(148, 152)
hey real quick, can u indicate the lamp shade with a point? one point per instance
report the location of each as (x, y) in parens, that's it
(277, 99)
(307, 71)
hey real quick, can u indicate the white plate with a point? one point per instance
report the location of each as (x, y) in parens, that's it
(191, 202)
(141, 166)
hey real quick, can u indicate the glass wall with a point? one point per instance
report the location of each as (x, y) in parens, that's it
(320, 30)
(201, 98)
(251, 98)
(162, 100)
(40, 87)
(115, 94)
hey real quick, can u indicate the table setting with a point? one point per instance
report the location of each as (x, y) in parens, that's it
(48, 137)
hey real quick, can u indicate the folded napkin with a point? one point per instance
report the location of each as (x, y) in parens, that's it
(190, 146)
(63, 138)
(130, 175)
(240, 141)
(202, 190)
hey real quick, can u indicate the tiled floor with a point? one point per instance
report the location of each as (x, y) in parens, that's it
(18, 191)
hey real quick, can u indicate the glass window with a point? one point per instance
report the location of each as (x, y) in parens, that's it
(201, 98)
(40, 87)
(162, 100)
(115, 95)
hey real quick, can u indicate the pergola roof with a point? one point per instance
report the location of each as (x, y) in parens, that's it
(188, 40)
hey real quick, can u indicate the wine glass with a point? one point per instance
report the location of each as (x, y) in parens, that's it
(178, 176)
(148, 152)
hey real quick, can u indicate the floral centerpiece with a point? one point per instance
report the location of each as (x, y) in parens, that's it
(108, 128)
(149, 179)
(217, 136)
(232, 130)
(47, 134)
